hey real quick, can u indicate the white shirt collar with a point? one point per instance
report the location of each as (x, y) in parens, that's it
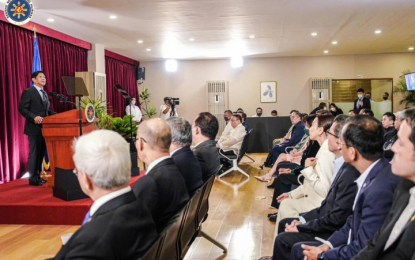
(104, 199)
(362, 179)
(171, 154)
(337, 165)
(154, 163)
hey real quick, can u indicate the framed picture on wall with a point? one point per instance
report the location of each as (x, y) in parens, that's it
(268, 91)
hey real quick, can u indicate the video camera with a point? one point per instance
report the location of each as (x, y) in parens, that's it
(173, 101)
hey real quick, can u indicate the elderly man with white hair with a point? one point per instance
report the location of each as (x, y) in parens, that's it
(117, 226)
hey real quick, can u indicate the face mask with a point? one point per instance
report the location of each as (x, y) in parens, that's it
(226, 119)
(360, 96)
(325, 108)
(132, 102)
(306, 131)
(333, 109)
(259, 114)
(385, 98)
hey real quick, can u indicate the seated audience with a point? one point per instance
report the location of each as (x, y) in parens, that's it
(321, 106)
(295, 155)
(352, 113)
(183, 157)
(362, 141)
(233, 142)
(335, 110)
(333, 211)
(395, 239)
(317, 172)
(366, 112)
(227, 116)
(274, 113)
(117, 226)
(387, 147)
(297, 133)
(204, 130)
(243, 115)
(163, 189)
(258, 112)
(388, 123)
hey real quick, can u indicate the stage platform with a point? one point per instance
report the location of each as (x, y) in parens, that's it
(21, 203)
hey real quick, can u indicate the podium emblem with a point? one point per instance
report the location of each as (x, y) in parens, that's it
(90, 113)
(18, 12)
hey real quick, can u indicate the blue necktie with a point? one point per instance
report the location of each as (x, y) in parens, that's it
(87, 217)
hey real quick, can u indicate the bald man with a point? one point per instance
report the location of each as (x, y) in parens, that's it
(163, 189)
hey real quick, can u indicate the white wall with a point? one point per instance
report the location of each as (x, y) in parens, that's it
(291, 74)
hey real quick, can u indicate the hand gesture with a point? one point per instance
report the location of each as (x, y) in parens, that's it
(310, 252)
(38, 120)
(310, 162)
(291, 228)
(361, 103)
(283, 197)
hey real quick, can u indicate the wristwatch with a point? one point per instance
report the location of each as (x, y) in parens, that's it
(320, 256)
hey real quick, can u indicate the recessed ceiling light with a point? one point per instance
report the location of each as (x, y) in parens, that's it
(334, 42)
(252, 36)
(113, 17)
(326, 51)
(314, 34)
(50, 20)
(411, 48)
(191, 39)
(378, 31)
(148, 49)
(140, 41)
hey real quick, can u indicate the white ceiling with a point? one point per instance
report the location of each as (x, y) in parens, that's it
(221, 28)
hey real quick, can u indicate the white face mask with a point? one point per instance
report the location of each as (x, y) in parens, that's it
(132, 102)
(360, 96)
(333, 109)
(325, 108)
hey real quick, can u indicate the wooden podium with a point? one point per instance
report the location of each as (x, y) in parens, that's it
(59, 132)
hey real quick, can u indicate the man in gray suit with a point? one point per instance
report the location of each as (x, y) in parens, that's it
(204, 130)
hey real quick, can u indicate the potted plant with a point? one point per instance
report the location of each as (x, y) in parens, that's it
(146, 106)
(408, 97)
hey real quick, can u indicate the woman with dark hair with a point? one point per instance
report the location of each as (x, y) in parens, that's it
(335, 110)
(317, 173)
(321, 106)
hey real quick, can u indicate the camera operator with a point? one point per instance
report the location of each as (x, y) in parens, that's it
(168, 109)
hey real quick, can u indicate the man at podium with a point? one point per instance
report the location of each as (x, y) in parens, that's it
(34, 106)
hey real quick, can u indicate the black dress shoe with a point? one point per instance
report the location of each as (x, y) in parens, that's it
(273, 218)
(43, 180)
(270, 214)
(37, 182)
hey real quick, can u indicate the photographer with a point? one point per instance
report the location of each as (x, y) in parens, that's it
(168, 109)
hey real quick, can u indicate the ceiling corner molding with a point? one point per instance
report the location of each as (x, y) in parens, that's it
(121, 58)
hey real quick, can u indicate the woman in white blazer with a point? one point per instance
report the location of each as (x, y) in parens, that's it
(318, 175)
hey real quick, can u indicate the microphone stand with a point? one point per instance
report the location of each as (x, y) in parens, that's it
(131, 128)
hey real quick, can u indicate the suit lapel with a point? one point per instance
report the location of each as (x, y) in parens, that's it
(37, 95)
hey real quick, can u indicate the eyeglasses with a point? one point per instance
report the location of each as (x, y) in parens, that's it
(330, 133)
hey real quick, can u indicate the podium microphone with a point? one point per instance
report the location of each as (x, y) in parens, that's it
(58, 96)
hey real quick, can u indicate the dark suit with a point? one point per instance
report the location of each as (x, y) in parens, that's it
(189, 167)
(208, 155)
(404, 246)
(372, 206)
(366, 104)
(326, 219)
(122, 228)
(163, 191)
(297, 133)
(31, 105)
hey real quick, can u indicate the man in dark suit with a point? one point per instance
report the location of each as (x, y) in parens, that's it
(163, 189)
(395, 240)
(361, 101)
(362, 143)
(204, 130)
(117, 226)
(34, 106)
(334, 210)
(183, 157)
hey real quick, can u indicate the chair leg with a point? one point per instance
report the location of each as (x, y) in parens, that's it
(249, 157)
(213, 241)
(234, 168)
(241, 171)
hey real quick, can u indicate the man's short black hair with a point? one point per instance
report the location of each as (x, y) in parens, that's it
(243, 115)
(390, 115)
(238, 116)
(410, 119)
(240, 109)
(274, 112)
(36, 73)
(208, 124)
(368, 112)
(361, 90)
(294, 111)
(351, 110)
(386, 93)
(309, 119)
(228, 111)
(365, 134)
(166, 98)
(258, 108)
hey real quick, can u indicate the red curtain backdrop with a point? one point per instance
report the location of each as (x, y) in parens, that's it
(16, 57)
(119, 72)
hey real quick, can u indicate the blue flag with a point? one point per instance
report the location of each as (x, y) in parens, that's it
(36, 67)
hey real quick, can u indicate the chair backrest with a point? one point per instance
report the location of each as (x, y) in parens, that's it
(204, 204)
(154, 252)
(189, 230)
(170, 248)
(244, 146)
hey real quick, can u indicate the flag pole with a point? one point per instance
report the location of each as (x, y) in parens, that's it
(34, 30)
